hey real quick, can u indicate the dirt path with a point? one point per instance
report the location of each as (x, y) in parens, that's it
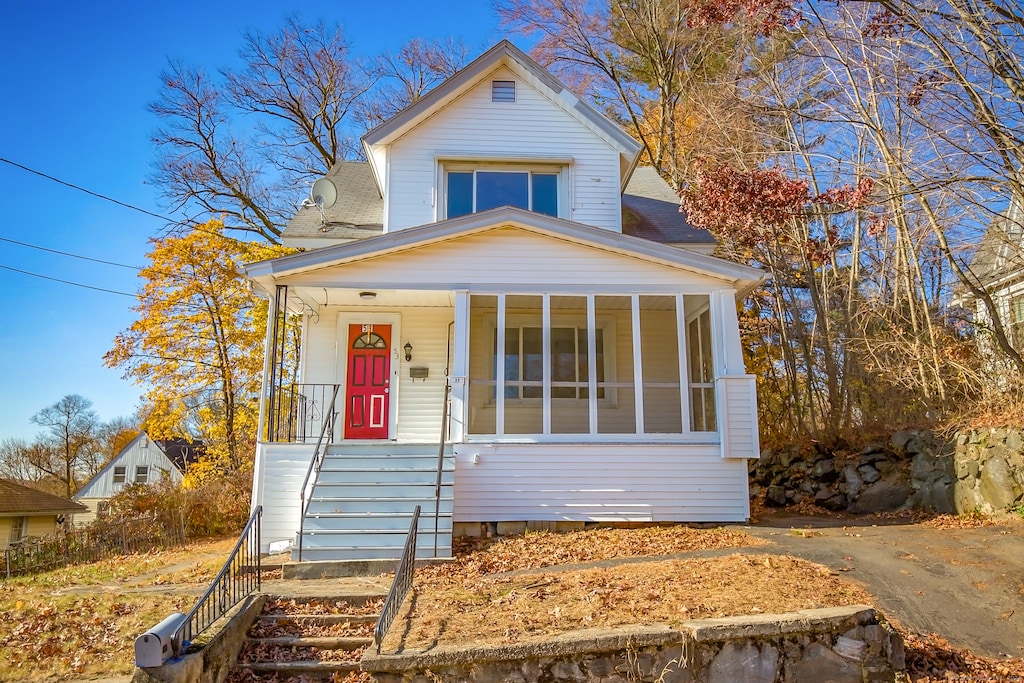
(967, 585)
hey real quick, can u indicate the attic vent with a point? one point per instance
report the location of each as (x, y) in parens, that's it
(503, 91)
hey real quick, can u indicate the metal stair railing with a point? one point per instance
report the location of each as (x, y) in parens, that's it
(402, 583)
(315, 464)
(440, 460)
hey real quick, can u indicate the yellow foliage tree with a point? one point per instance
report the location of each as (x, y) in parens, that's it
(197, 345)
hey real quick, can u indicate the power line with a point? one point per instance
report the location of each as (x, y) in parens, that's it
(66, 253)
(68, 282)
(89, 192)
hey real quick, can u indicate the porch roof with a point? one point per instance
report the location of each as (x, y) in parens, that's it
(743, 278)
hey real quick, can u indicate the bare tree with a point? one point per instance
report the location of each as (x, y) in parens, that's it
(409, 74)
(71, 449)
(238, 146)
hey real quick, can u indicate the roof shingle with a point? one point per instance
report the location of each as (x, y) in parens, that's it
(15, 498)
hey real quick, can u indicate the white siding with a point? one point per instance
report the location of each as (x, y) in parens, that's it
(280, 471)
(419, 401)
(102, 486)
(474, 127)
(737, 403)
(599, 482)
(508, 258)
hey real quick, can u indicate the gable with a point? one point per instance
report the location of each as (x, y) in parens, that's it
(135, 454)
(509, 256)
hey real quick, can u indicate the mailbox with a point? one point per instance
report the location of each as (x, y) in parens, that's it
(160, 643)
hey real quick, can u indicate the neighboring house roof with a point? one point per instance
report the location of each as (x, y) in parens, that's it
(358, 212)
(650, 209)
(507, 54)
(182, 452)
(744, 278)
(19, 500)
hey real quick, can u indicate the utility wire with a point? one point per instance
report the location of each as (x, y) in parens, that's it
(89, 192)
(66, 253)
(68, 282)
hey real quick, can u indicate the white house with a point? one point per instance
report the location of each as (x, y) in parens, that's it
(499, 272)
(142, 461)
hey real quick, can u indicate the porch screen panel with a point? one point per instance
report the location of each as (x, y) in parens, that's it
(700, 363)
(659, 354)
(616, 407)
(483, 312)
(570, 366)
(524, 365)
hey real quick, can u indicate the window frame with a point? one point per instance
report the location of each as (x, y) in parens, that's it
(19, 524)
(557, 167)
(141, 474)
(120, 474)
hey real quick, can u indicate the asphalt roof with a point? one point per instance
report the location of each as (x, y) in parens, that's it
(15, 498)
(650, 210)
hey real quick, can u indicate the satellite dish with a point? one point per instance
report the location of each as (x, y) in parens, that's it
(324, 193)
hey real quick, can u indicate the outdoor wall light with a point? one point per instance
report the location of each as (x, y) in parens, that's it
(408, 351)
(367, 295)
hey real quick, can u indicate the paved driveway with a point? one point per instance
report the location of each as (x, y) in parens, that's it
(967, 585)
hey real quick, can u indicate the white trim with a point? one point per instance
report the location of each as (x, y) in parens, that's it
(592, 363)
(459, 378)
(684, 370)
(347, 318)
(545, 353)
(638, 368)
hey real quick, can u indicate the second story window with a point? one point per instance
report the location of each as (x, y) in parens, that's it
(119, 473)
(141, 474)
(474, 190)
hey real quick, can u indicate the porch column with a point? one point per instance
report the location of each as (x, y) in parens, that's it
(459, 378)
(735, 390)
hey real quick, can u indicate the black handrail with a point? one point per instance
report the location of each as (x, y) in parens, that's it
(315, 463)
(401, 584)
(238, 579)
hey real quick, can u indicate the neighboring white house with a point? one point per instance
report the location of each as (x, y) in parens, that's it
(142, 461)
(998, 267)
(500, 243)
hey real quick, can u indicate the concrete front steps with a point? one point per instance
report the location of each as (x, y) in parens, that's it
(308, 640)
(363, 500)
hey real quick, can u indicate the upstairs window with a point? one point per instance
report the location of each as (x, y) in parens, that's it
(141, 474)
(474, 190)
(119, 474)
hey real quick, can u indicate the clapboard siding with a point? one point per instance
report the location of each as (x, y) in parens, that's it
(508, 256)
(473, 126)
(419, 401)
(280, 471)
(598, 482)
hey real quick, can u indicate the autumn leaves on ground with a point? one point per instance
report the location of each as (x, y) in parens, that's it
(80, 622)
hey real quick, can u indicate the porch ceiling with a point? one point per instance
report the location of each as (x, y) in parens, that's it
(383, 298)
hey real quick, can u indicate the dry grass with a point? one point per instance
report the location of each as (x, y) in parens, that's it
(490, 610)
(51, 631)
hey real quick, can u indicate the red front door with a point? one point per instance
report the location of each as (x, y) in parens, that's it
(368, 388)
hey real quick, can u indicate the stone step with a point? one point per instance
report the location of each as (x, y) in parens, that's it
(285, 670)
(319, 642)
(322, 619)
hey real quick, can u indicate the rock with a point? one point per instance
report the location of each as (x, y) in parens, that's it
(883, 495)
(853, 480)
(997, 484)
(869, 474)
(873, 449)
(901, 439)
(850, 648)
(871, 458)
(776, 496)
(825, 470)
(830, 499)
(821, 664)
(747, 663)
(967, 469)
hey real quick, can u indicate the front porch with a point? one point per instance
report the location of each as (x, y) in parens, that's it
(609, 408)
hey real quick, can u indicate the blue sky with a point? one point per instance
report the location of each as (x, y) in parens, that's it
(75, 79)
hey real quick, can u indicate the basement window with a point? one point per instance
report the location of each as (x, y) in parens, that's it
(503, 91)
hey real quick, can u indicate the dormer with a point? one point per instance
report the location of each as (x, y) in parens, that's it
(500, 132)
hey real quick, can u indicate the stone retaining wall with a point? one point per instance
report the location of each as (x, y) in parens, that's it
(977, 470)
(842, 645)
